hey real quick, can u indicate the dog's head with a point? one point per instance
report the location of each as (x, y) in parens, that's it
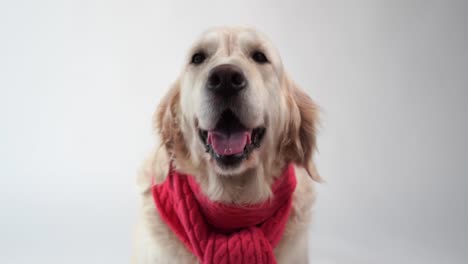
(234, 109)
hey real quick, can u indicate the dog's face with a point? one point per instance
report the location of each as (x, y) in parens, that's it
(234, 109)
(230, 92)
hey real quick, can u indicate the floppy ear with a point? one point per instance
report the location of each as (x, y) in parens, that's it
(300, 142)
(167, 122)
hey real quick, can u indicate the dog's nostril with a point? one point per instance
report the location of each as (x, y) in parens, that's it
(214, 81)
(237, 80)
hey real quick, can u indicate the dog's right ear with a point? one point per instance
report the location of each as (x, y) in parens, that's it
(166, 120)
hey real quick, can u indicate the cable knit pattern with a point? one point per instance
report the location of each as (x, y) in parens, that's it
(223, 233)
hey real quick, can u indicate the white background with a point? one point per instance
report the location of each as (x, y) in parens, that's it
(79, 81)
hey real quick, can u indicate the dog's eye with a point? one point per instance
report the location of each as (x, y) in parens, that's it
(198, 58)
(259, 57)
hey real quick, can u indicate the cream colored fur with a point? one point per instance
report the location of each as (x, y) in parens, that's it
(273, 100)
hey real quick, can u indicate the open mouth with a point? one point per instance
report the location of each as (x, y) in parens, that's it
(230, 141)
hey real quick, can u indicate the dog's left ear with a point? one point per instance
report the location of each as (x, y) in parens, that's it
(300, 142)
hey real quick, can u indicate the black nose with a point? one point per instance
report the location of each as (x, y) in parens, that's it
(226, 80)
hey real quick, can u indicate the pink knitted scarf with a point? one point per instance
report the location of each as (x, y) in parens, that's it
(225, 233)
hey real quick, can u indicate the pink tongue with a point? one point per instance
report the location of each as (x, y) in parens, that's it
(228, 144)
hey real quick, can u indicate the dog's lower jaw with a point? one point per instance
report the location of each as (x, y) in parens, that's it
(243, 167)
(252, 185)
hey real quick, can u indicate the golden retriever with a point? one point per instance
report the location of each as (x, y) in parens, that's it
(281, 123)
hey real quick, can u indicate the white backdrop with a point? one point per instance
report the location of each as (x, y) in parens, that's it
(79, 81)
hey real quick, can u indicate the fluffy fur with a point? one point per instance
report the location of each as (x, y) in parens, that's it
(272, 100)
